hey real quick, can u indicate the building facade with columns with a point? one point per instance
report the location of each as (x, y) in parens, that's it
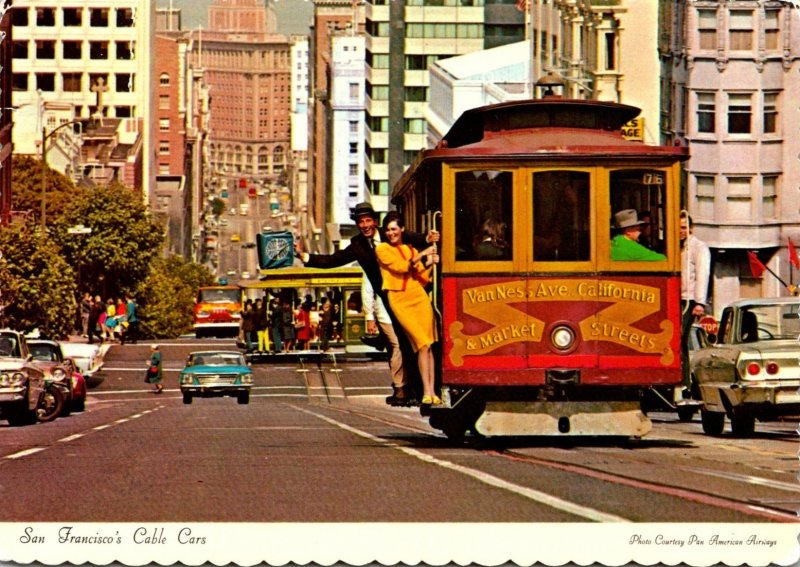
(734, 72)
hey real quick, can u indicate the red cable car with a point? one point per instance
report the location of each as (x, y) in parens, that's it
(551, 323)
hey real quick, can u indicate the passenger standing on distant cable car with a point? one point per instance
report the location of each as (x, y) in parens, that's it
(261, 325)
(247, 325)
(405, 275)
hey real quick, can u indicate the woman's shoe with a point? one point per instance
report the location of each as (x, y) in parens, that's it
(427, 400)
(436, 401)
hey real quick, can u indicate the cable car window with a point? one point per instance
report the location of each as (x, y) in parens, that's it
(561, 216)
(484, 215)
(638, 199)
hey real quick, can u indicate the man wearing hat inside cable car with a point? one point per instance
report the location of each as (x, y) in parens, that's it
(625, 245)
(362, 250)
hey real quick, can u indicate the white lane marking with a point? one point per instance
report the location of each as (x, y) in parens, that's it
(535, 495)
(25, 453)
(70, 438)
(757, 480)
(75, 436)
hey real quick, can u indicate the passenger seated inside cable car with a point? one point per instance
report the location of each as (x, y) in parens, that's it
(625, 245)
(484, 215)
(490, 243)
(638, 215)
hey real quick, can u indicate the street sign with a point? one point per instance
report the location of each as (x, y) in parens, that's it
(79, 229)
(709, 324)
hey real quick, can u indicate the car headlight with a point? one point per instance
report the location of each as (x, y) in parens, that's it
(187, 378)
(5, 380)
(246, 379)
(18, 379)
(59, 374)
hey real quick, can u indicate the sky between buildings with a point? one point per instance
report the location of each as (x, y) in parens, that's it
(293, 15)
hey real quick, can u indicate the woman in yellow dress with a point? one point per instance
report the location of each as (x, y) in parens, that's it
(405, 275)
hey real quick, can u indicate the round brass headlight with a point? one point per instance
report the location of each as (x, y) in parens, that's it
(562, 337)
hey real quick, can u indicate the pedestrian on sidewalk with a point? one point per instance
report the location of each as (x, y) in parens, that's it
(96, 310)
(132, 320)
(86, 308)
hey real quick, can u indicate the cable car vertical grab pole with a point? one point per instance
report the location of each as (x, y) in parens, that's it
(432, 216)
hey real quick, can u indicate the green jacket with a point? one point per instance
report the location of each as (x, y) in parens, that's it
(627, 250)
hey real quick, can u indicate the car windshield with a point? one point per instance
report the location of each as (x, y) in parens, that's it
(46, 353)
(217, 359)
(9, 346)
(770, 322)
(219, 296)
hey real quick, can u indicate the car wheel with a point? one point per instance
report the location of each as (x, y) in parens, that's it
(243, 398)
(686, 414)
(51, 404)
(743, 423)
(713, 422)
(19, 414)
(187, 399)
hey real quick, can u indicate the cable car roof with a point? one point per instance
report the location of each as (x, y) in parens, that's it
(551, 125)
(541, 129)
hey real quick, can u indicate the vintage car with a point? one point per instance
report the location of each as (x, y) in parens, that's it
(214, 373)
(752, 371)
(88, 358)
(21, 381)
(62, 370)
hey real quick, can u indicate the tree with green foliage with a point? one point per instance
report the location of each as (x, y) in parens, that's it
(166, 297)
(26, 189)
(217, 207)
(37, 284)
(124, 242)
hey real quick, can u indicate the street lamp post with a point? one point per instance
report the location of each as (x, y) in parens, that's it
(45, 137)
(75, 230)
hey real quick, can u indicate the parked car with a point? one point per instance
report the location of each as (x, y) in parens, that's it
(752, 371)
(61, 370)
(21, 381)
(215, 373)
(88, 358)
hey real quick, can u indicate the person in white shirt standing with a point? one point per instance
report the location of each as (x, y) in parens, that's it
(375, 316)
(695, 272)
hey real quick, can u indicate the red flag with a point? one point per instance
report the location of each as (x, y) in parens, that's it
(793, 259)
(756, 267)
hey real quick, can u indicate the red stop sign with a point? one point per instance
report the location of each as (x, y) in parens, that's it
(709, 324)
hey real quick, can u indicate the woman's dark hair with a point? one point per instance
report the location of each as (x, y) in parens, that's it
(393, 216)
